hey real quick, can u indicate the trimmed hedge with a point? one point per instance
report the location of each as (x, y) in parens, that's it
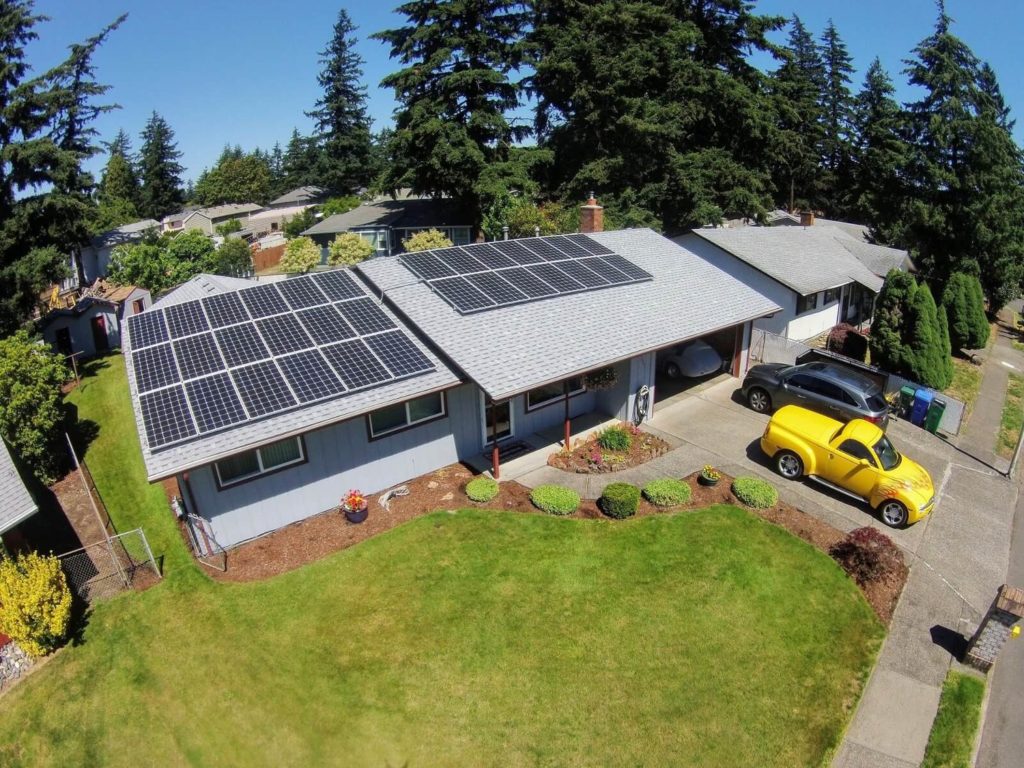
(619, 500)
(755, 492)
(615, 439)
(555, 500)
(667, 492)
(482, 489)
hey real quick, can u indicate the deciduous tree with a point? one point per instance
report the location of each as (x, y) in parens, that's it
(35, 602)
(347, 249)
(300, 255)
(426, 240)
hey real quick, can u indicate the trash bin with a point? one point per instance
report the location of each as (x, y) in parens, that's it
(922, 400)
(906, 400)
(934, 416)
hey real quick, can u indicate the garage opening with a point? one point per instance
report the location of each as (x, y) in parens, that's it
(692, 366)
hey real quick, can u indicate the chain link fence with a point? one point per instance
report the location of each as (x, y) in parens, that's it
(109, 567)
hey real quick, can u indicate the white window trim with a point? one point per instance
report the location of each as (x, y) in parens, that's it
(483, 419)
(262, 470)
(559, 398)
(409, 422)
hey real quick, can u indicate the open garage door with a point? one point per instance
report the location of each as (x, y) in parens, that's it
(691, 366)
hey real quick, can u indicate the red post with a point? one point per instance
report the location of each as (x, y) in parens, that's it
(495, 451)
(568, 422)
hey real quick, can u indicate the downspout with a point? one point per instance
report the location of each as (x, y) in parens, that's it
(495, 451)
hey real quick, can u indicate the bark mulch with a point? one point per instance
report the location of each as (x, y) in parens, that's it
(587, 457)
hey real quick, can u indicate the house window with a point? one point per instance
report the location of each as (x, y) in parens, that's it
(806, 303)
(138, 305)
(407, 414)
(553, 393)
(832, 294)
(261, 461)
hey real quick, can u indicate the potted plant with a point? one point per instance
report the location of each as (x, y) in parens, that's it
(709, 475)
(355, 506)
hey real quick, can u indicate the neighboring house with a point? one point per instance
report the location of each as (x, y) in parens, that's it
(820, 276)
(310, 386)
(304, 196)
(173, 222)
(207, 219)
(385, 224)
(95, 257)
(16, 503)
(93, 324)
(263, 223)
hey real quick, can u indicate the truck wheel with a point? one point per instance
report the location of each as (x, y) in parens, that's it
(893, 513)
(789, 465)
(759, 400)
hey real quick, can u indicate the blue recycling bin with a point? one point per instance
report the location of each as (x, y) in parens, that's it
(922, 401)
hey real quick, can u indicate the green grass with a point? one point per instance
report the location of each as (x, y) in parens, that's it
(115, 460)
(956, 725)
(1012, 420)
(966, 384)
(478, 638)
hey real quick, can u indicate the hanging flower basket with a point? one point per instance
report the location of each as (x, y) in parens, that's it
(602, 378)
(355, 506)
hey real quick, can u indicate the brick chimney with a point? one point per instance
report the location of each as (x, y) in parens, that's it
(591, 216)
(806, 218)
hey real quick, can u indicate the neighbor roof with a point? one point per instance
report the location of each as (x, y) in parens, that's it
(199, 286)
(805, 259)
(277, 213)
(126, 233)
(165, 462)
(395, 213)
(228, 209)
(16, 503)
(516, 348)
(298, 196)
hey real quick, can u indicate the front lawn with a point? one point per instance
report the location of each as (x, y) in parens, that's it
(707, 638)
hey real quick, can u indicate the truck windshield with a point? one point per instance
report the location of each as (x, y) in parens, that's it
(888, 457)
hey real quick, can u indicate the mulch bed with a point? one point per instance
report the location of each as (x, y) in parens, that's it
(316, 537)
(587, 457)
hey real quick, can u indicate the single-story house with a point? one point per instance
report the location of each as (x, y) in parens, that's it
(819, 276)
(262, 223)
(174, 222)
(386, 223)
(16, 503)
(207, 219)
(268, 403)
(93, 324)
(304, 196)
(95, 256)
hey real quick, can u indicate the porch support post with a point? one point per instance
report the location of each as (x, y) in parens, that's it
(495, 451)
(568, 422)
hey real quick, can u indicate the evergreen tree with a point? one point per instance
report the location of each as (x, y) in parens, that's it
(878, 195)
(654, 106)
(159, 170)
(275, 162)
(890, 324)
(342, 125)
(927, 345)
(963, 303)
(300, 161)
(117, 194)
(120, 145)
(454, 94)
(838, 113)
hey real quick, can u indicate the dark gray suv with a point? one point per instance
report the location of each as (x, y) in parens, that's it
(830, 389)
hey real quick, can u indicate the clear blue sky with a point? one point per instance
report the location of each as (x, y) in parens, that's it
(244, 71)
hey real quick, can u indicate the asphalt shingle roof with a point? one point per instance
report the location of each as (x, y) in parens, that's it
(228, 209)
(297, 196)
(421, 212)
(512, 349)
(805, 259)
(199, 286)
(16, 502)
(126, 233)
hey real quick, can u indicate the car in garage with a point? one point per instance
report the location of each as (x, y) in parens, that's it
(691, 360)
(855, 458)
(836, 391)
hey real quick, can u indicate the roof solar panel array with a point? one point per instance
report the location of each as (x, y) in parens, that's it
(483, 276)
(205, 365)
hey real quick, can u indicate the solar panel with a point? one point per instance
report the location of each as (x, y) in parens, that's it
(309, 375)
(494, 287)
(528, 283)
(262, 388)
(516, 252)
(589, 244)
(460, 260)
(399, 354)
(166, 417)
(241, 344)
(570, 248)
(224, 309)
(198, 356)
(283, 334)
(325, 324)
(579, 272)
(627, 267)
(186, 319)
(355, 364)
(301, 292)
(601, 265)
(461, 294)
(154, 368)
(147, 328)
(555, 277)
(426, 266)
(263, 301)
(365, 316)
(544, 249)
(491, 257)
(214, 402)
(338, 284)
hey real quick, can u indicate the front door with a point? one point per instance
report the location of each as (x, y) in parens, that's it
(497, 421)
(99, 333)
(64, 341)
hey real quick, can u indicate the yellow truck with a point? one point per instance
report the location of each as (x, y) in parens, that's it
(856, 459)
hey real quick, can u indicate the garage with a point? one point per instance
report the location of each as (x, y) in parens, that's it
(696, 364)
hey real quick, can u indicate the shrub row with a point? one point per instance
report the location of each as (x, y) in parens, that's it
(555, 500)
(482, 489)
(619, 500)
(667, 492)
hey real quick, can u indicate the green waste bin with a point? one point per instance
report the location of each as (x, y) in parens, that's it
(934, 417)
(906, 400)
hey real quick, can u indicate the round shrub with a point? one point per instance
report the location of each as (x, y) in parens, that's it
(619, 500)
(615, 439)
(482, 489)
(755, 492)
(667, 492)
(868, 555)
(555, 500)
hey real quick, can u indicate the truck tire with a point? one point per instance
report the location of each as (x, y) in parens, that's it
(789, 465)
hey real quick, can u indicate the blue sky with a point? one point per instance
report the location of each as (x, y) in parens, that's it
(244, 71)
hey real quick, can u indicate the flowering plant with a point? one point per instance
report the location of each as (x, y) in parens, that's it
(602, 378)
(710, 473)
(354, 501)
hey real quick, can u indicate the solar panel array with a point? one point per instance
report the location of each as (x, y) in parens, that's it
(215, 362)
(475, 278)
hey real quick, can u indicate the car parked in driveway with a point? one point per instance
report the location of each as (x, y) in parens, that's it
(830, 389)
(855, 458)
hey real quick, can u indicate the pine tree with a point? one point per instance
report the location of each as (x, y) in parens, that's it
(117, 194)
(300, 161)
(928, 358)
(963, 303)
(838, 125)
(890, 325)
(275, 162)
(342, 125)
(159, 170)
(454, 94)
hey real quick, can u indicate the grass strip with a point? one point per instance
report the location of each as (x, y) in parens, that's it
(1012, 420)
(956, 725)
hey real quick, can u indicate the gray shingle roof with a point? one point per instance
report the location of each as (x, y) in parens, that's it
(15, 501)
(421, 212)
(228, 209)
(298, 196)
(805, 259)
(168, 461)
(126, 233)
(513, 349)
(199, 286)
(879, 258)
